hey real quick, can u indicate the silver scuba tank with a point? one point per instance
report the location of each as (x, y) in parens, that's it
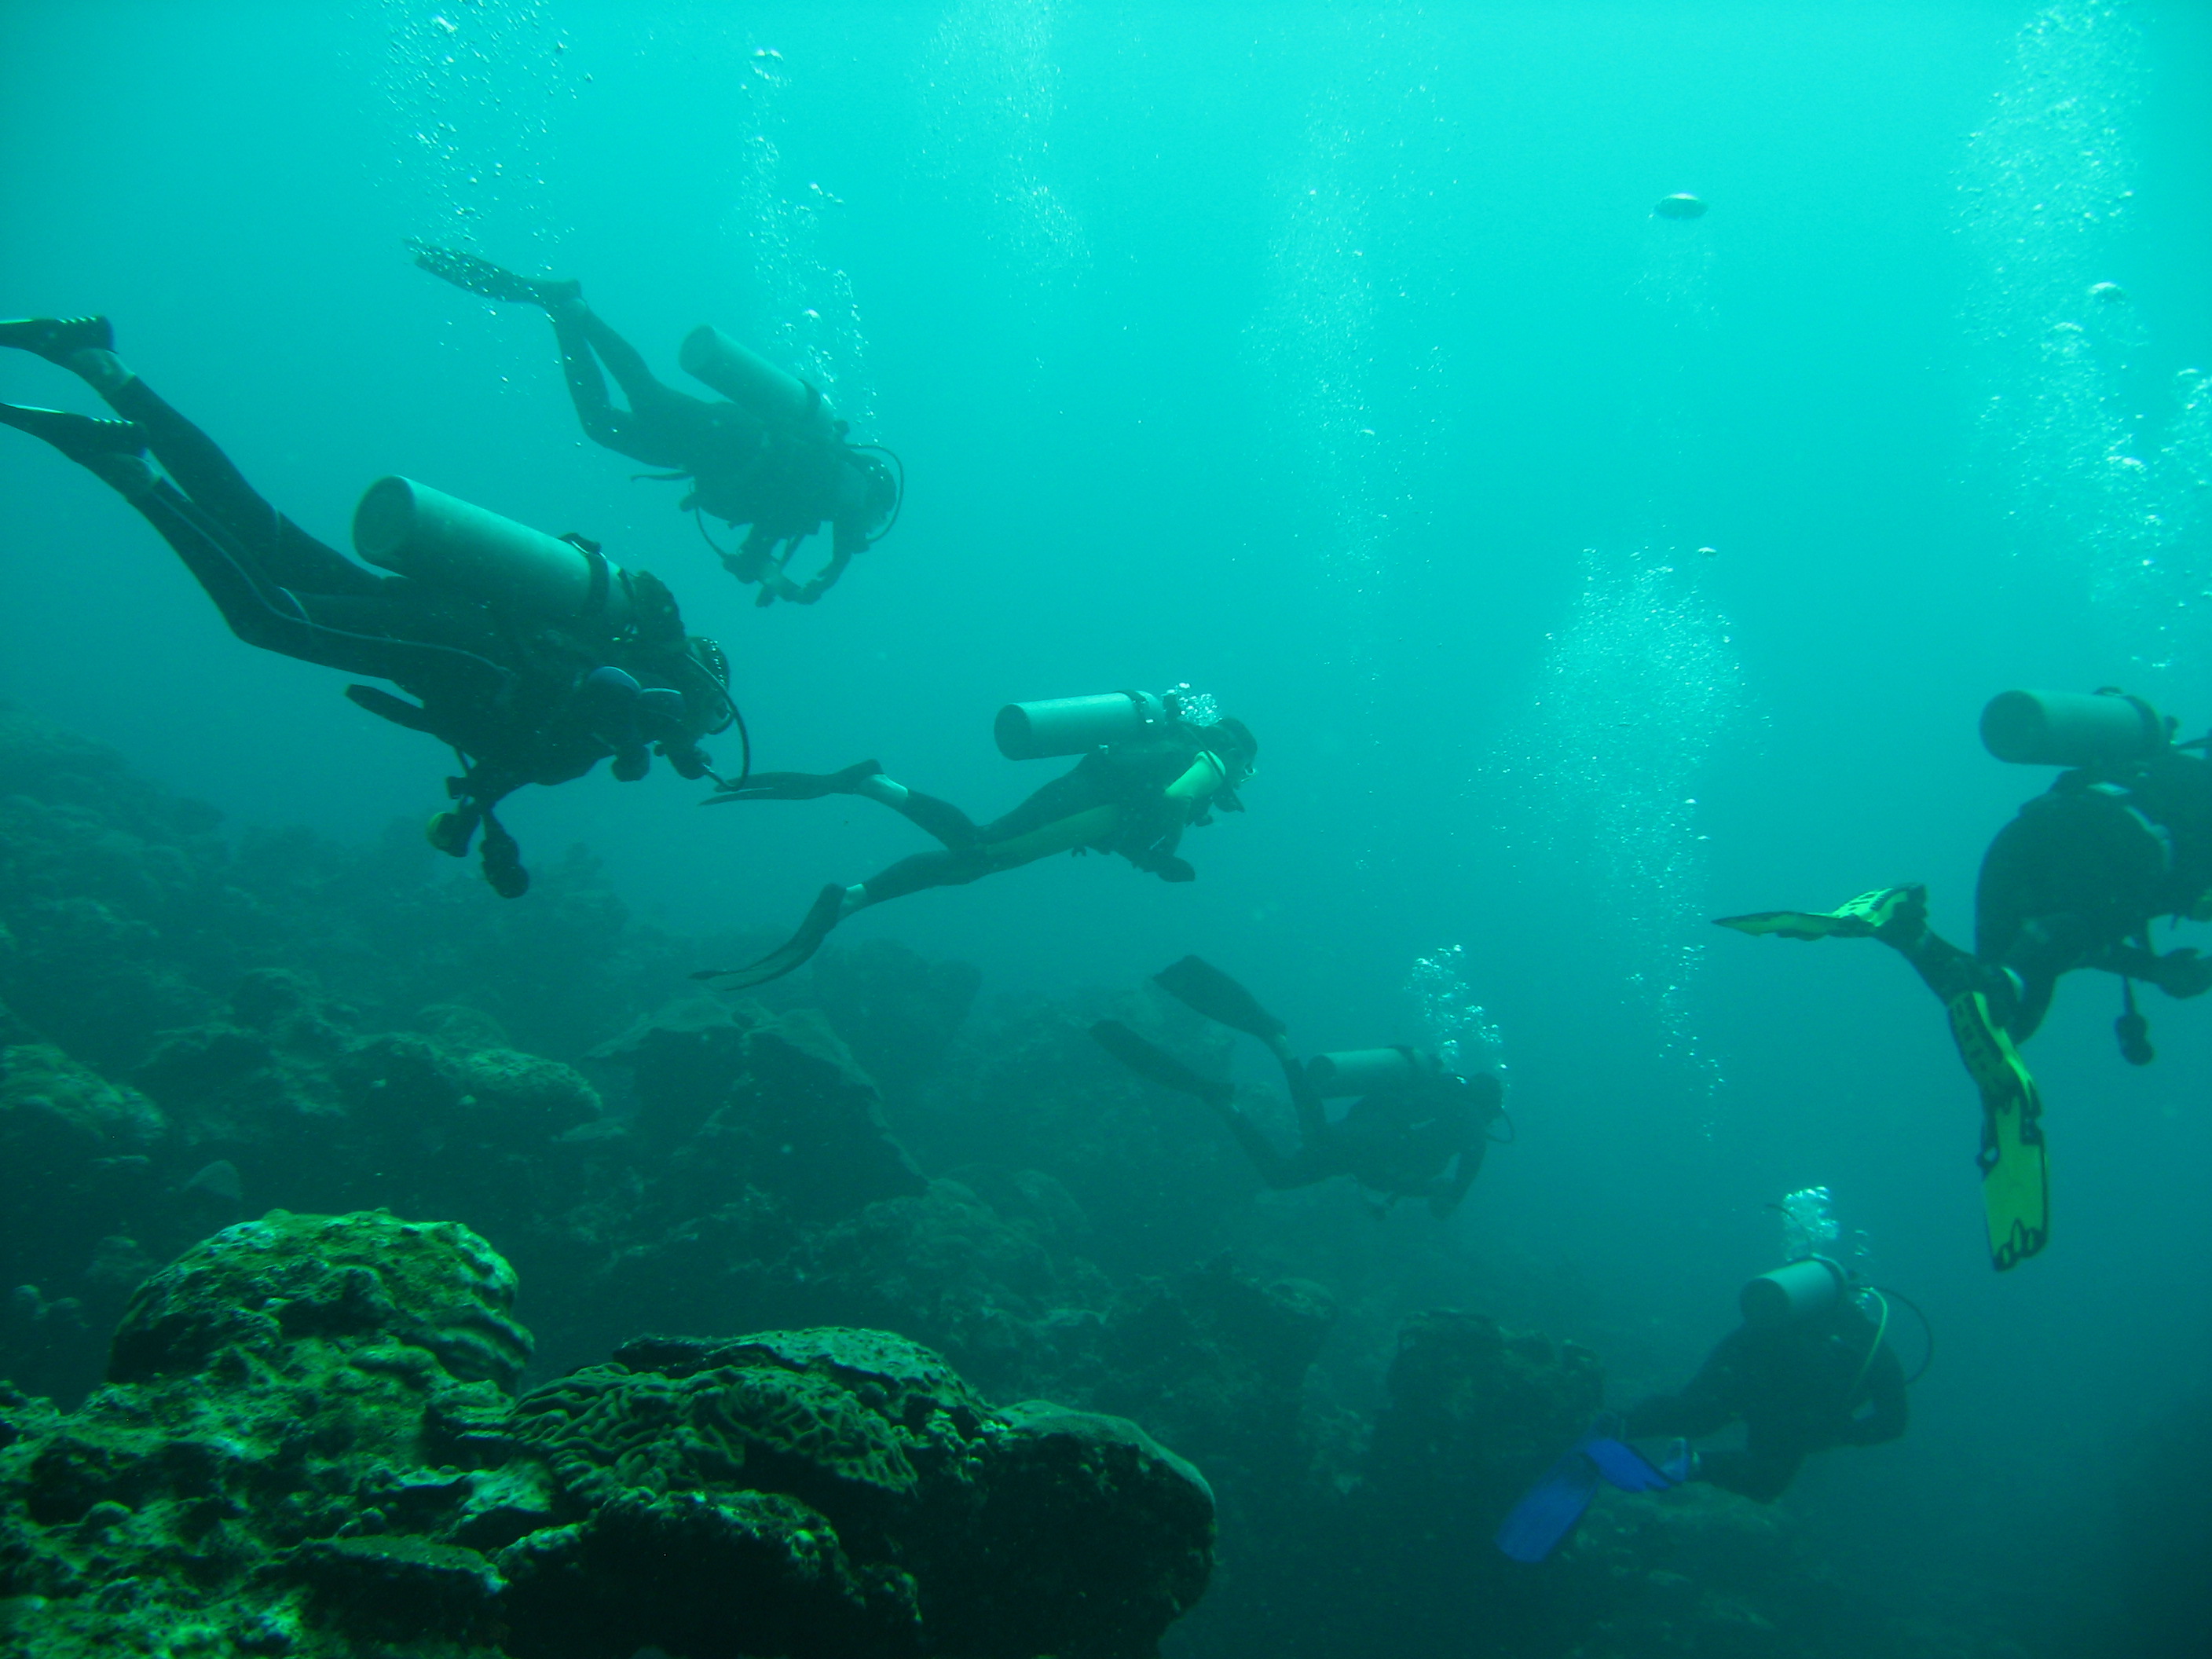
(434, 537)
(1798, 1290)
(749, 380)
(2071, 728)
(1371, 1071)
(1074, 725)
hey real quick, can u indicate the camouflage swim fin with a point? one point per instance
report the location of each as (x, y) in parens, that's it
(1886, 909)
(2015, 1170)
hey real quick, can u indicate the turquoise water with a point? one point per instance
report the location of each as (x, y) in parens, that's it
(1584, 573)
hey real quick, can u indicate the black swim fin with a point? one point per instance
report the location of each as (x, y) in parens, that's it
(791, 954)
(1149, 1060)
(1205, 989)
(57, 339)
(82, 438)
(491, 281)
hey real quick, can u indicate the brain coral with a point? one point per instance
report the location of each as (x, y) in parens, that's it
(433, 1286)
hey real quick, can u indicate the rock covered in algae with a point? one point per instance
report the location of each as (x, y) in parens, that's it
(307, 1447)
(834, 1492)
(283, 1387)
(269, 1286)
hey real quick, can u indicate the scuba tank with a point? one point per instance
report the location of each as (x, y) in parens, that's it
(749, 380)
(444, 541)
(2104, 729)
(1372, 1071)
(1802, 1290)
(1074, 725)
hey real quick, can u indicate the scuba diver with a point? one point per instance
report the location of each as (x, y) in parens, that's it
(534, 657)
(1806, 1370)
(774, 456)
(1151, 767)
(2122, 838)
(1416, 1130)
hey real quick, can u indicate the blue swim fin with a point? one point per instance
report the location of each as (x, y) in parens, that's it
(1551, 1509)
(1555, 1503)
(1624, 1467)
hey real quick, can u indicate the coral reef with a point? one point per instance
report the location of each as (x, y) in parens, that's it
(307, 1445)
(305, 1440)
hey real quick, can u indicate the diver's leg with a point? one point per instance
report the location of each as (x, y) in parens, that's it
(662, 427)
(1692, 1412)
(604, 424)
(1761, 1477)
(644, 389)
(285, 554)
(941, 818)
(1279, 1173)
(949, 868)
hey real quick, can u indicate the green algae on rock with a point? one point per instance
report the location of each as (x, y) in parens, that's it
(910, 1516)
(306, 1447)
(260, 1285)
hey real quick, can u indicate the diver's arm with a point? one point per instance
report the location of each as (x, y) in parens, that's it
(1448, 1194)
(1885, 1385)
(1305, 1099)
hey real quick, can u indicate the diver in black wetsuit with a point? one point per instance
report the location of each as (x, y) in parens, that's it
(1800, 1378)
(1133, 798)
(1417, 1130)
(775, 457)
(523, 697)
(2122, 838)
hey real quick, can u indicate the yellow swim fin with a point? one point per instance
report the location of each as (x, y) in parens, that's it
(1864, 917)
(2015, 1172)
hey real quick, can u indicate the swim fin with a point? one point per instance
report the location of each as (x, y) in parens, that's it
(492, 282)
(791, 954)
(57, 339)
(2014, 1164)
(1625, 1468)
(797, 786)
(1892, 911)
(82, 438)
(1550, 1509)
(1207, 990)
(1149, 1060)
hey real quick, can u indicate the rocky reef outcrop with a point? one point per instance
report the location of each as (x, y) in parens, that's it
(324, 1432)
(308, 1444)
